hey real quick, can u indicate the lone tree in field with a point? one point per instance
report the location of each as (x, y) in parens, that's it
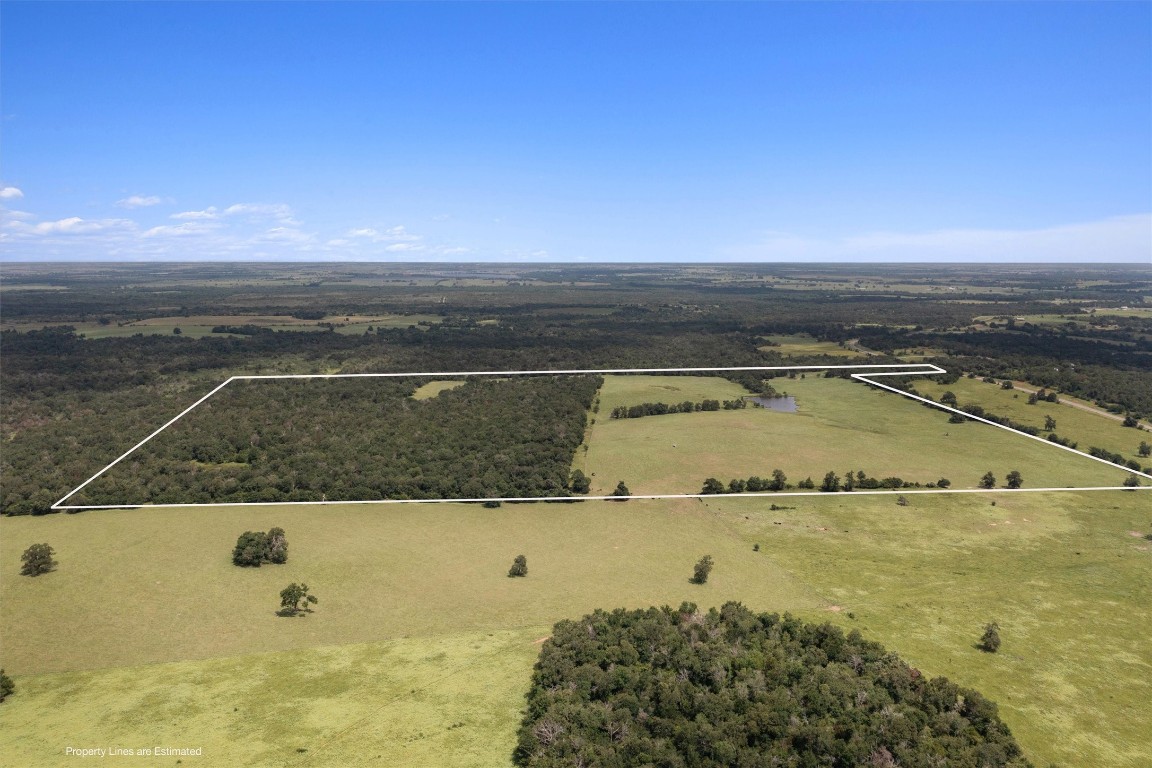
(519, 566)
(37, 560)
(702, 570)
(291, 598)
(1145, 449)
(988, 481)
(621, 490)
(990, 640)
(1049, 424)
(7, 687)
(1014, 479)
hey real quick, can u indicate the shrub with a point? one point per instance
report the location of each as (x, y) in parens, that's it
(519, 566)
(990, 640)
(7, 687)
(703, 570)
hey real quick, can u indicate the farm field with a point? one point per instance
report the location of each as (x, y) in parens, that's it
(1085, 428)
(435, 674)
(839, 425)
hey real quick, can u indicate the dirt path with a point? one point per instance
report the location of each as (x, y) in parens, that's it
(1090, 409)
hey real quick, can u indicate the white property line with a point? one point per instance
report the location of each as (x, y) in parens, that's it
(920, 369)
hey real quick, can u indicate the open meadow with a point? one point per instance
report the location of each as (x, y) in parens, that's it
(839, 426)
(420, 649)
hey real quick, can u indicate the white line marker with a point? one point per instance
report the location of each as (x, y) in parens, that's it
(906, 369)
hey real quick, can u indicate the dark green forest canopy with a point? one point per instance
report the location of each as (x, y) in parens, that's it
(681, 689)
(71, 404)
(361, 439)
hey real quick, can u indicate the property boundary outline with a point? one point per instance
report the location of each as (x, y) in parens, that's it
(886, 369)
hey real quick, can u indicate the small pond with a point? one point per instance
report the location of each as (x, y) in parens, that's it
(781, 404)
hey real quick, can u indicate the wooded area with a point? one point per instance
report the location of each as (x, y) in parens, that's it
(731, 687)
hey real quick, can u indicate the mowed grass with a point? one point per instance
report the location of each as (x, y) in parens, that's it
(1064, 574)
(839, 426)
(1084, 427)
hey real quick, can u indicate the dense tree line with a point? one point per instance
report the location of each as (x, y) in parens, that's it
(71, 404)
(832, 482)
(362, 439)
(661, 409)
(731, 687)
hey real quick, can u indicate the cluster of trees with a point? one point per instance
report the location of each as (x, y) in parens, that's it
(362, 439)
(731, 687)
(1013, 480)
(254, 548)
(660, 409)
(1043, 394)
(1115, 458)
(830, 484)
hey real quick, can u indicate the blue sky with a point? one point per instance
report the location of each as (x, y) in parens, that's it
(577, 131)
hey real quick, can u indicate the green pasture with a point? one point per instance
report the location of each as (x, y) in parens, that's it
(420, 649)
(1083, 427)
(158, 585)
(633, 390)
(839, 426)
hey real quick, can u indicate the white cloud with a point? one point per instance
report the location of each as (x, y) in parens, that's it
(397, 234)
(403, 247)
(10, 193)
(183, 230)
(277, 211)
(1116, 239)
(76, 226)
(207, 213)
(138, 201)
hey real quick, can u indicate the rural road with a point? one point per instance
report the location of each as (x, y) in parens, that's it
(1074, 404)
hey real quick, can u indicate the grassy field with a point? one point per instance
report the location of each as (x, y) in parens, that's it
(433, 388)
(421, 647)
(1064, 575)
(1086, 429)
(838, 426)
(802, 345)
(420, 650)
